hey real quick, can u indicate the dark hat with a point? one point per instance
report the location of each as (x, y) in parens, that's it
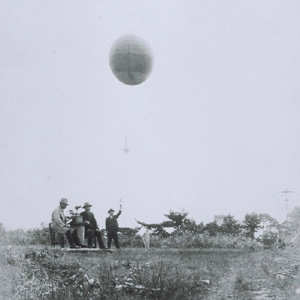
(111, 210)
(86, 204)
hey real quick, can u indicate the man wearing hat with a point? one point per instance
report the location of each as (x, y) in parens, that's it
(91, 226)
(112, 227)
(58, 222)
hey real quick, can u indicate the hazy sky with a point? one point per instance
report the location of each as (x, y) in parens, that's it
(215, 129)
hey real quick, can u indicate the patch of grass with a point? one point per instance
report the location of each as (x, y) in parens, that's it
(242, 283)
(48, 274)
(129, 274)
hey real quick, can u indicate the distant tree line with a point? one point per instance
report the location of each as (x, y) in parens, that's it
(178, 224)
(36, 236)
(181, 223)
(230, 226)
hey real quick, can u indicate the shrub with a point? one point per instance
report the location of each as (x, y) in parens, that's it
(252, 223)
(212, 228)
(190, 240)
(37, 236)
(268, 239)
(230, 226)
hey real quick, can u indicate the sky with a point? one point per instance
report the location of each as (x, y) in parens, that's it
(214, 130)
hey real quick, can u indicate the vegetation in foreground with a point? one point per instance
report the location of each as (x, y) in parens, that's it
(234, 264)
(129, 274)
(43, 273)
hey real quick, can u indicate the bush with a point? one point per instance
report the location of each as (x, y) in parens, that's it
(37, 236)
(230, 226)
(204, 241)
(268, 239)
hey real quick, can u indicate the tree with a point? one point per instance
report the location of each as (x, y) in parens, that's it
(3, 235)
(2, 229)
(213, 228)
(268, 222)
(252, 223)
(149, 226)
(293, 220)
(190, 225)
(176, 220)
(177, 217)
(128, 234)
(230, 226)
(270, 228)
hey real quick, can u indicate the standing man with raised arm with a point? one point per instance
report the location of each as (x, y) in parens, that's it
(112, 227)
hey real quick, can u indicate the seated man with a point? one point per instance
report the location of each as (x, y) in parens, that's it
(91, 227)
(58, 222)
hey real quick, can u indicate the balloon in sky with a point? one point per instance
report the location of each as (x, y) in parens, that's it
(131, 59)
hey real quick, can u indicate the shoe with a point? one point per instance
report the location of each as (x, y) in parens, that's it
(74, 247)
(84, 246)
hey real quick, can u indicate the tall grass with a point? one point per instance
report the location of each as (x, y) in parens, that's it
(194, 241)
(51, 275)
(47, 274)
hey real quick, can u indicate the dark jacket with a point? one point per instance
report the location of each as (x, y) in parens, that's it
(111, 223)
(89, 217)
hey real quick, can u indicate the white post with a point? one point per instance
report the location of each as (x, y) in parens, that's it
(147, 238)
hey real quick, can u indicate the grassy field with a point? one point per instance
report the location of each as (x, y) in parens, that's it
(44, 273)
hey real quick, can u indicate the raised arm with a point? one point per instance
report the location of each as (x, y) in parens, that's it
(118, 214)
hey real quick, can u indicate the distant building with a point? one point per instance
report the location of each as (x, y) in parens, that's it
(266, 226)
(219, 219)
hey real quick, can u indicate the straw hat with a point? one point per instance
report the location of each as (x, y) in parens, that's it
(86, 204)
(63, 201)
